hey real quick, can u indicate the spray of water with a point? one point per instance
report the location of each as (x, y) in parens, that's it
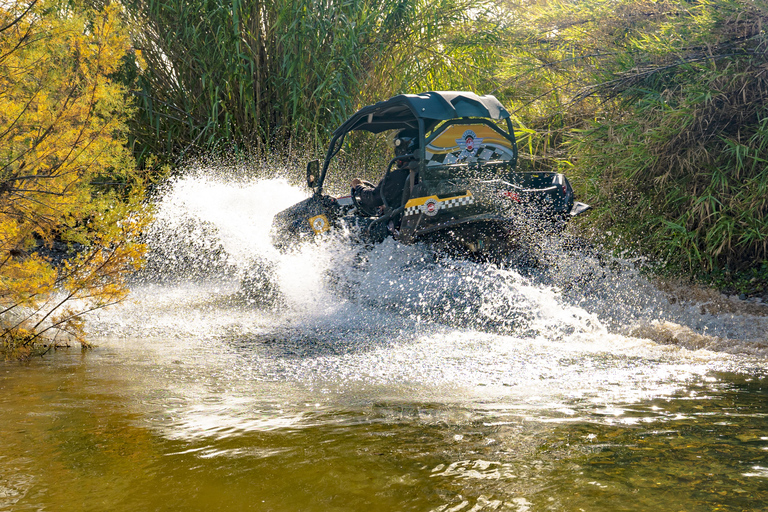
(211, 251)
(580, 335)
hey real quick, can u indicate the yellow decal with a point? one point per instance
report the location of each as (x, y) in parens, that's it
(459, 143)
(319, 224)
(431, 205)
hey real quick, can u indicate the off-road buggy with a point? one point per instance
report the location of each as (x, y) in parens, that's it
(463, 193)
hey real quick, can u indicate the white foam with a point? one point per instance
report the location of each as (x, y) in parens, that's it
(334, 287)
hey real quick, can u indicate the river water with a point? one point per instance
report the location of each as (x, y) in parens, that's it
(386, 380)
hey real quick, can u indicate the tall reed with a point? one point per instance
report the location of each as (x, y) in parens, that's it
(265, 74)
(677, 155)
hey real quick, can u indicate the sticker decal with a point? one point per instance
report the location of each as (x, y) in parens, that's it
(319, 224)
(430, 207)
(470, 143)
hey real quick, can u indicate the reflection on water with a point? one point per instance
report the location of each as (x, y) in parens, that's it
(386, 381)
(107, 431)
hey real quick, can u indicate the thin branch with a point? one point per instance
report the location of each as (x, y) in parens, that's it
(19, 18)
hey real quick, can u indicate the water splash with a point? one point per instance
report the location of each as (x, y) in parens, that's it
(392, 324)
(212, 235)
(211, 239)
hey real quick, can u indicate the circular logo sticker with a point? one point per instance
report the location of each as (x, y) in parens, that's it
(319, 223)
(430, 207)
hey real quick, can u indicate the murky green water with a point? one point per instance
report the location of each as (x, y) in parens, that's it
(103, 431)
(389, 382)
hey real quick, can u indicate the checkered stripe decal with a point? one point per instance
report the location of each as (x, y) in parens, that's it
(412, 210)
(453, 202)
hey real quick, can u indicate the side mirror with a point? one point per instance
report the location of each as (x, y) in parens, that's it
(313, 172)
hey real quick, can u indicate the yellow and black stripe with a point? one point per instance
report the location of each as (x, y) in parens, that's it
(421, 204)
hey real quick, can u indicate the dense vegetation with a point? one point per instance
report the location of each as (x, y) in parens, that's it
(259, 74)
(655, 109)
(675, 149)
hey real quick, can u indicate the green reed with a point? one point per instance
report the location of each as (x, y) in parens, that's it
(659, 108)
(654, 109)
(265, 75)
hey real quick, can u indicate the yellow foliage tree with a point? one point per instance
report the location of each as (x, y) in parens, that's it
(70, 199)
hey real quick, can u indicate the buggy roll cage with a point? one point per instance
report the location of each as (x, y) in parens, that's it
(416, 111)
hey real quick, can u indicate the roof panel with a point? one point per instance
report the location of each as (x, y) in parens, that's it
(404, 110)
